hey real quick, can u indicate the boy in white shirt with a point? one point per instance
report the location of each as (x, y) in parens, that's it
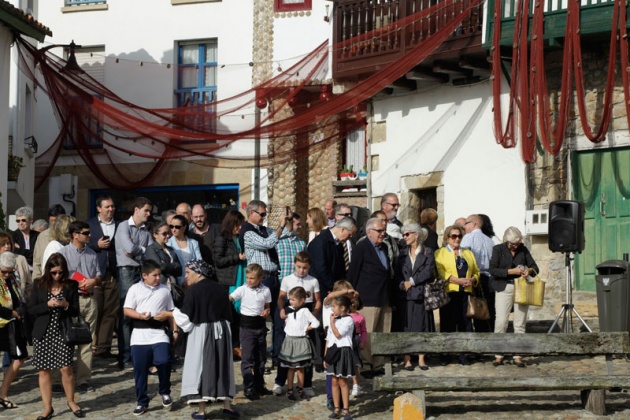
(255, 303)
(150, 345)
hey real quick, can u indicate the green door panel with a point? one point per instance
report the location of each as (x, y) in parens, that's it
(602, 181)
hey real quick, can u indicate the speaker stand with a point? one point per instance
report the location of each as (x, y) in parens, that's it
(568, 309)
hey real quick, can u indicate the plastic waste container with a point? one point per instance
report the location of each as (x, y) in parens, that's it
(613, 295)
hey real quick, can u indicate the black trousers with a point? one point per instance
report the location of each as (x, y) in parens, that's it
(253, 357)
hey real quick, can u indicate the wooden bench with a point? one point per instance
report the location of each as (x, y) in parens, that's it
(592, 387)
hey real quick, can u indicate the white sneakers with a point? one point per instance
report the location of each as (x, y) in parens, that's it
(356, 390)
(277, 389)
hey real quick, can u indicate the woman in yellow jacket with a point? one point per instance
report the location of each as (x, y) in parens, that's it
(458, 266)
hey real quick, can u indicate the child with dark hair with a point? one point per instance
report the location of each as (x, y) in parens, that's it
(150, 345)
(297, 351)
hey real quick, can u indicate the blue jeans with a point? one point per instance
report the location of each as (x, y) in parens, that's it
(127, 277)
(143, 357)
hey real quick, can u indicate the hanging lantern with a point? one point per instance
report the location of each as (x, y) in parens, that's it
(324, 95)
(261, 103)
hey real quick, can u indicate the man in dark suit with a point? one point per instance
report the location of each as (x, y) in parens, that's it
(24, 237)
(326, 252)
(102, 228)
(370, 276)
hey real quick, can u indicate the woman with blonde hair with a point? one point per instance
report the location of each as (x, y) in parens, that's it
(510, 260)
(459, 268)
(316, 221)
(60, 235)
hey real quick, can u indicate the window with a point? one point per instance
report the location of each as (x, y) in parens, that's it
(84, 2)
(292, 5)
(197, 73)
(356, 150)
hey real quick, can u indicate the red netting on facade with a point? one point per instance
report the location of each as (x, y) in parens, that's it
(88, 112)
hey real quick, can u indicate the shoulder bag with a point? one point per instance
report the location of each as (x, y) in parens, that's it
(529, 292)
(75, 331)
(435, 295)
(478, 306)
(176, 291)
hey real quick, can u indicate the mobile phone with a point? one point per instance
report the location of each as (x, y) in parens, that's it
(59, 298)
(105, 237)
(286, 210)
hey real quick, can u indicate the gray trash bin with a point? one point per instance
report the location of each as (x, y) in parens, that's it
(613, 295)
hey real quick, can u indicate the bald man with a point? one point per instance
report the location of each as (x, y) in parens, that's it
(183, 209)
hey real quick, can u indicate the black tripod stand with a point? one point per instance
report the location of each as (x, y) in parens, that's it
(568, 309)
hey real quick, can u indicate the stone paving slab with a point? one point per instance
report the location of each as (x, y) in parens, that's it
(115, 397)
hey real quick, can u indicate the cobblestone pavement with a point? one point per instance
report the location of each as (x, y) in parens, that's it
(114, 396)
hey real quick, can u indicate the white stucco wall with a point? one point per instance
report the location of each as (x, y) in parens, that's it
(450, 130)
(311, 28)
(5, 64)
(147, 31)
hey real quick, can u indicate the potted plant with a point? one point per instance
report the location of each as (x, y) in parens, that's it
(363, 174)
(15, 163)
(344, 175)
(351, 174)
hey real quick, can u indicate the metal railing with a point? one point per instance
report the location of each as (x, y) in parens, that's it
(84, 2)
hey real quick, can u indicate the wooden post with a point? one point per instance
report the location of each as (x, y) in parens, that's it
(410, 406)
(594, 400)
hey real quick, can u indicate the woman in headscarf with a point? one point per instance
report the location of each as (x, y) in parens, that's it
(208, 373)
(12, 339)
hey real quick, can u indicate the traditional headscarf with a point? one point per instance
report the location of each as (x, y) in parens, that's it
(201, 267)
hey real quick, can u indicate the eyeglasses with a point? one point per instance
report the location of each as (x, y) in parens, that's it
(344, 214)
(175, 226)
(456, 236)
(164, 234)
(86, 233)
(261, 214)
(393, 204)
(379, 230)
(21, 220)
(7, 271)
(56, 273)
(408, 234)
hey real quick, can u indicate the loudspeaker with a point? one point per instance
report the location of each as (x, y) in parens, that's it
(566, 226)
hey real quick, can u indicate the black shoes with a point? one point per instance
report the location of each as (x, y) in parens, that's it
(229, 414)
(79, 413)
(47, 416)
(251, 395)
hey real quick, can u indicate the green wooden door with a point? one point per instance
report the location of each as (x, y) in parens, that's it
(601, 180)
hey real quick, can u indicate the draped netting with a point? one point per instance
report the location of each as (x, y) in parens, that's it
(529, 115)
(88, 112)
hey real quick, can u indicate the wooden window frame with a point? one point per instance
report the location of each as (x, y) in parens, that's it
(280, 6)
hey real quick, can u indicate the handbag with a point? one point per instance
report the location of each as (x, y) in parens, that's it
(75, 332)
(478, 306)
(177, 293)
(435, 295)
(333, 353)
(529, 292)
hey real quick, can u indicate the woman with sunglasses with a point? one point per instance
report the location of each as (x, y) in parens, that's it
(510, 260)
(159, 251)
(187, 249)
(458, 266)
(54, 298)
(22, 272)
(415, 269)
(12, 337)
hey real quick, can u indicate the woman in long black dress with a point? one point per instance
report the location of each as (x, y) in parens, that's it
(54, 297)
(417, 265)
(12, 340)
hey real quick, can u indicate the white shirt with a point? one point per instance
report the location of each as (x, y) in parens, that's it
(51, 248)
(252, 300)
(298, 322)
(345, 326)
(108, 228)
(309, 283)
(143, 298)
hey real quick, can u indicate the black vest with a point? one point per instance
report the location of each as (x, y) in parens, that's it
(261, 231)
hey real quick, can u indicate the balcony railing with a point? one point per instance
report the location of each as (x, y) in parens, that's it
(84, 2)
(595, 18)
(368, 38)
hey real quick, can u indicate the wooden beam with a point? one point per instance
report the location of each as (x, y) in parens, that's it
(497, 384)
(387, 344)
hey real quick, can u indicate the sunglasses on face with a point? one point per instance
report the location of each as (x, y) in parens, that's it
(378, 230)
(394, 204)
(175, 226)
(261, 214)
(56, 273)
(456, 236)
(21, 220)
(85, 233)
(344, 214)
(7, 271)
(407, 234)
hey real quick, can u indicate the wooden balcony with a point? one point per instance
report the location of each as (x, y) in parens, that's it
(370, 39)
(595, 20)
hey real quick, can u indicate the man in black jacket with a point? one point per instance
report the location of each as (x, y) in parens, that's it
(326, 252)
(370, 276)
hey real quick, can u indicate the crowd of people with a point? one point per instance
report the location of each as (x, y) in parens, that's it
(181, 287)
